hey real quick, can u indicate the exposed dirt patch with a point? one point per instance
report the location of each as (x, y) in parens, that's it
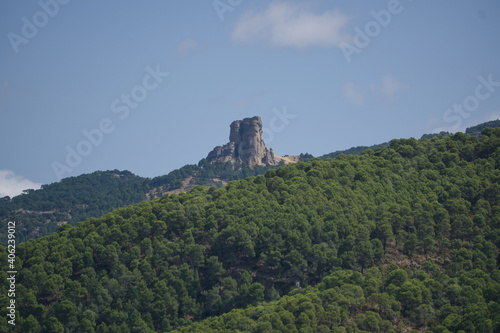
(287, 159)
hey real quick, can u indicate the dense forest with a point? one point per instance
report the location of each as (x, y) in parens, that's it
(41, 212)
(352, 151)
(475, 130)
(74, 199)
(400, 239)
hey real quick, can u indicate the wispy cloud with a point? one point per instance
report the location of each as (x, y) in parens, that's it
(285, 24)
(385, 91)
(187, 45)
(12, 184)
(389, 87)
(353, 93)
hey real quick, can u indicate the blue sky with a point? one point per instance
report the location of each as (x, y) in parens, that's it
(149, 87)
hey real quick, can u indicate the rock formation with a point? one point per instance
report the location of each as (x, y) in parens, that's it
(245, 145)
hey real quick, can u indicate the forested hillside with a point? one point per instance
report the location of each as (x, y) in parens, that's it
(41, 212)
(474, 130)
(74, 199)
(353, 151)
(398, 239)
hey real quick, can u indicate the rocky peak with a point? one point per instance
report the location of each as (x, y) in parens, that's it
(245, 145)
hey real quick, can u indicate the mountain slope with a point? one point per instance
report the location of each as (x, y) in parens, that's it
(404, 237)
(476, 130)
(41, 212)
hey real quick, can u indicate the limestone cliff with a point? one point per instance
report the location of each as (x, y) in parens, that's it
(245, 145)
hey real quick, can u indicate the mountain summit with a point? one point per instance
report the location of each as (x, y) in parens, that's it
(245, 145)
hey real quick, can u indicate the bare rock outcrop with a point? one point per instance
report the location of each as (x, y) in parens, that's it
(245, 145)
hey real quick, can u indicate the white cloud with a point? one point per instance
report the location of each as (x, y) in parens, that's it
(187, 45)
(12, 184)
(286, 24)
(390, 86)
(353, 93)
(385, 91)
